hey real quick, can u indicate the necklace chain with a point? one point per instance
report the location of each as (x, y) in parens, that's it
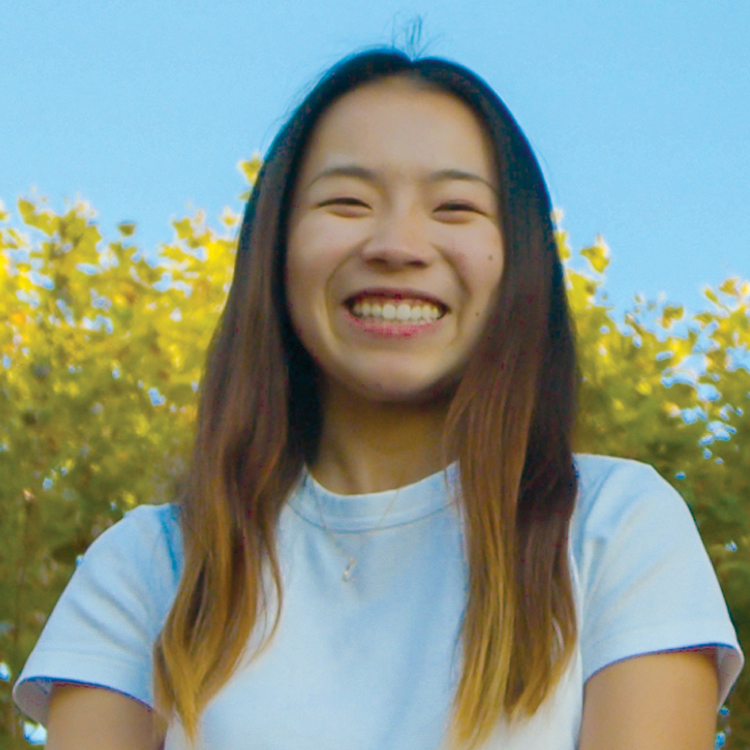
(346, 576)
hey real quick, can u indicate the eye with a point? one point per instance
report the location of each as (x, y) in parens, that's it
(347, 204)
(457, 206)
(457, 211)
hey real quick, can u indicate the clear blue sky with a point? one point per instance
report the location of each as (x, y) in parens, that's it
(639, 110)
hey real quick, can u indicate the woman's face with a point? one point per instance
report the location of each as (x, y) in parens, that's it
(394, 249)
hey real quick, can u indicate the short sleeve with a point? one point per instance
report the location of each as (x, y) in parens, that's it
(102, 629)
(648, 583)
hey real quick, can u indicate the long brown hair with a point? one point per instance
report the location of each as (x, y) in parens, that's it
(510, 427)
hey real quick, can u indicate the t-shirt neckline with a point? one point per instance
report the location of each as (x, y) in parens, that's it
(365, 512)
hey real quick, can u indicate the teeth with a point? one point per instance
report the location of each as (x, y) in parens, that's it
(399, 310)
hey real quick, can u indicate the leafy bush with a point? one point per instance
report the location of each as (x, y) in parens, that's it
(101, 354)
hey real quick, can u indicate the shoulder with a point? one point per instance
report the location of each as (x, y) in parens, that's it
(146, 532)
(613, 490)
(626, 512)
(134, 566)
(143, 552)
(614, 477)
(647, 581)
(102, 629)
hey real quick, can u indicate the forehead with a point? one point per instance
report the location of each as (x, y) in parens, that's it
(401, 125)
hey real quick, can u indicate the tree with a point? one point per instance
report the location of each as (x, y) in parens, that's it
(673, 390)
(101, 358)
(101, 354)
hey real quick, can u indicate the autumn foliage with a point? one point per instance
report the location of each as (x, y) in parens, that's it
(101, 350)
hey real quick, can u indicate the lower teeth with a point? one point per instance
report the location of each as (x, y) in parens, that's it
(371, 317)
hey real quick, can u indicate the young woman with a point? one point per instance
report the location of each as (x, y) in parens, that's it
(385, 541)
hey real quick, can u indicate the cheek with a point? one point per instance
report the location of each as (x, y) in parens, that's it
(304, 259)
(308, 272)
(489, 261)
(481, 269)
(297, 278)
(315, 249)
(300, 309)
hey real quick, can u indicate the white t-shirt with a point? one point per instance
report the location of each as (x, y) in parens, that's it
(373, 662)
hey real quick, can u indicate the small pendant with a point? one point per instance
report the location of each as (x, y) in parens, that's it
(347, 574)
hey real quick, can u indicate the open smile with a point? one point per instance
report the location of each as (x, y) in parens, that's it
(394, 308)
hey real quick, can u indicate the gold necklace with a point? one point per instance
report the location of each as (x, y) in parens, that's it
(346, 576)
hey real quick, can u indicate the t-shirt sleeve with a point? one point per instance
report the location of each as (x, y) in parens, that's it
(102, 629)
(648, 582)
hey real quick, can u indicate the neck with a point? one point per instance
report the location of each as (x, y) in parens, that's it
(368, 446)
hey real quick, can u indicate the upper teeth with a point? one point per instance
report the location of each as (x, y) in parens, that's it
(400, 310)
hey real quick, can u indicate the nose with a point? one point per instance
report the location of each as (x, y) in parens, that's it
(399, 240)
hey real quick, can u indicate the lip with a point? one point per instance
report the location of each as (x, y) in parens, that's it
(401, 293)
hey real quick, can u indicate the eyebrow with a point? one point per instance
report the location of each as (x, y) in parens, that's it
(458, 174)
(368, 175)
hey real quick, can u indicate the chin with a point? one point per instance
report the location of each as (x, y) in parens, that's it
(417, 393)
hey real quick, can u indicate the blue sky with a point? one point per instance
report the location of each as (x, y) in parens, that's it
(639, 111)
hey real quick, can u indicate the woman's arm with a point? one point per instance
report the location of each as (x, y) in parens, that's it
(82, 717)
(661, 701)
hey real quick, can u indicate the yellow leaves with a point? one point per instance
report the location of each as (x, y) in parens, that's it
(582, 288)
(184, 228)
(17, 319)
(735, 287)
(11, 239)
(193, 230)
(670, 313)
(229, 218)
(250, 170)
(85, 246)
(42, 219)
(644, 388)
(671, 409)
(710, 295)
(581, 291)
(126, 228)
(563, 246)
(705, 317)
(175, 252)
(129, 500)
(597, 254)
(72, 227)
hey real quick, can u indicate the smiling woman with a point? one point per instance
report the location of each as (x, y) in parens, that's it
(383, 468)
